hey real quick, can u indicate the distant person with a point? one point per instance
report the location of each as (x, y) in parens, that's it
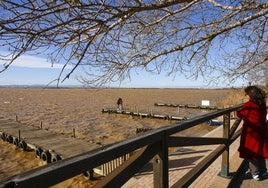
(254, 142)
(120, 104)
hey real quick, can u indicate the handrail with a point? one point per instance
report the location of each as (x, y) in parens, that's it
(151, 144)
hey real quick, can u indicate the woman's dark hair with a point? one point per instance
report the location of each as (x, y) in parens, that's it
(119, 101)
(256, 94)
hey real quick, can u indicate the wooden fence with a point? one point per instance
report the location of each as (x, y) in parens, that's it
(150, 145)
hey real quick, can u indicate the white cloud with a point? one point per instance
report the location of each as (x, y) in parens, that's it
(34, 62)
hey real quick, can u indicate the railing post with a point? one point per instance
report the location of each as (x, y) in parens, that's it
(160, 166)
(225, 155)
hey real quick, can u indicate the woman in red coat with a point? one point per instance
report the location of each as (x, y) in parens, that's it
(254, 141)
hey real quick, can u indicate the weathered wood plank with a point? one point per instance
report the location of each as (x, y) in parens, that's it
(121, 174)
(63, 145)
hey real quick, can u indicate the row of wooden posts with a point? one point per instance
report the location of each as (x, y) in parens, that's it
(103, 169)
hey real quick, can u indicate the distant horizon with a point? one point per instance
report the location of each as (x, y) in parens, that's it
(106, 87)
(30, 70)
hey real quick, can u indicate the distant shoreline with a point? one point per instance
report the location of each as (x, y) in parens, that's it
(85, 87)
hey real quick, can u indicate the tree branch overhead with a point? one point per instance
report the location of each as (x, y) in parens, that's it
(107, 39)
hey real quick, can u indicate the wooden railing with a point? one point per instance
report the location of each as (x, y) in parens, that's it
(151, 145)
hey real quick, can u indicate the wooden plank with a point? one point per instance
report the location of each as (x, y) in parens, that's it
(188, 106)
(14, 126)
(121, 174)
(63, 145)
(189, 177)
(144, 114)
(160, 166)
(173, 141)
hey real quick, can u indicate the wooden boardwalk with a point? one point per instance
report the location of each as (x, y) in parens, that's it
(143, 114)
(67, 146)
(188, 106)
(182, 162)
(47, 145)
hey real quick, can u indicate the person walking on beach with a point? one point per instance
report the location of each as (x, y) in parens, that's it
(120, 104)
(254, 141)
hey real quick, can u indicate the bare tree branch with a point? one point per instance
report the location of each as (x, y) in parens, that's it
(108, 40)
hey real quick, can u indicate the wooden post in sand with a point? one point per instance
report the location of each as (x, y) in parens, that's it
(19, 135)
(73, 132)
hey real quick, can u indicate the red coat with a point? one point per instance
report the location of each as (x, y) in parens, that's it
(253, 141)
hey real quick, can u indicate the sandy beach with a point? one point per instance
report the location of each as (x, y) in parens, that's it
(65, 110)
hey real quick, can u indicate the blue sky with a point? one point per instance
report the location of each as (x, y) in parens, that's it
(33, 70)
(36, 70)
